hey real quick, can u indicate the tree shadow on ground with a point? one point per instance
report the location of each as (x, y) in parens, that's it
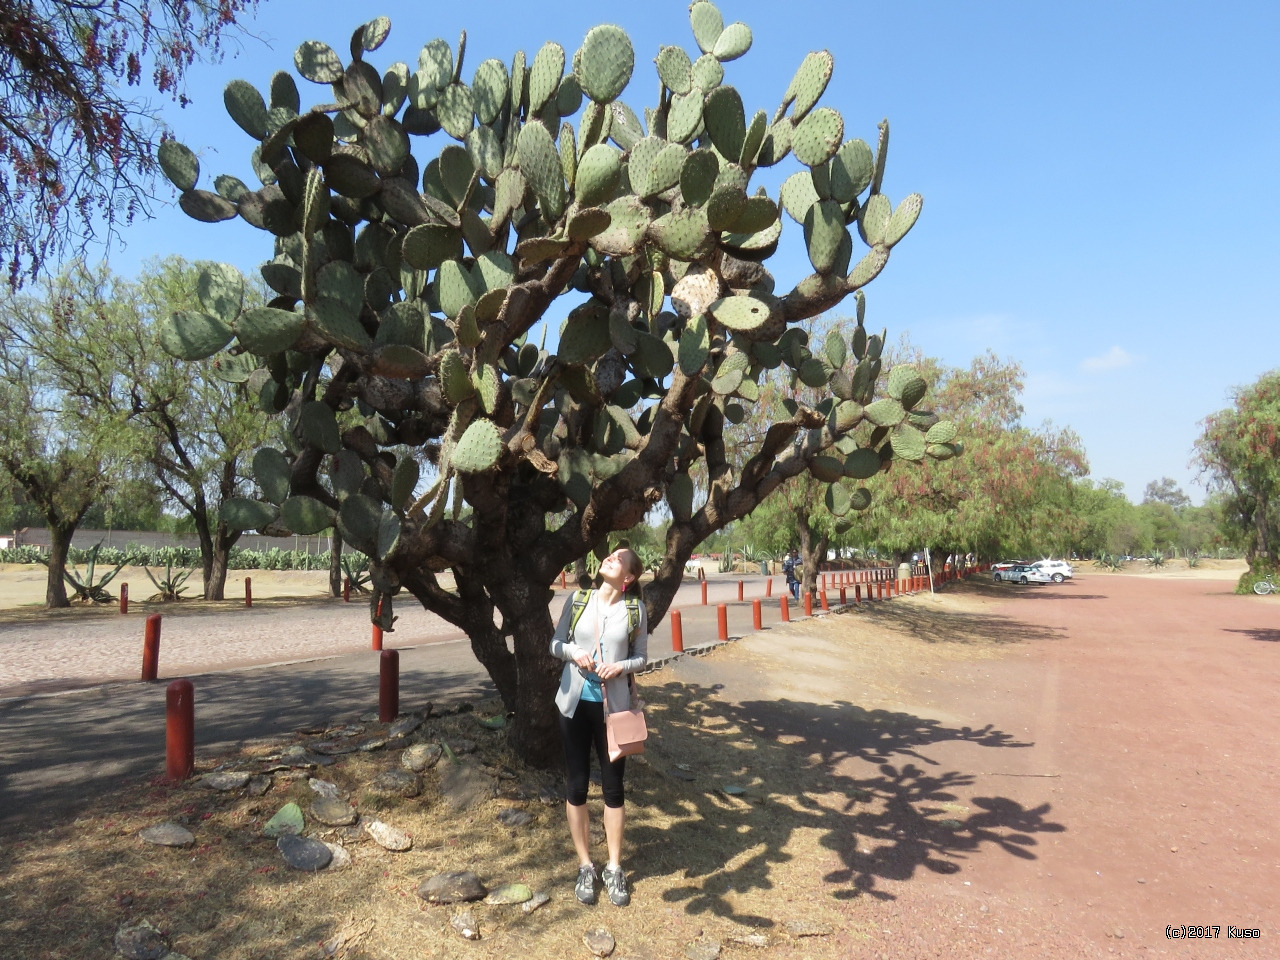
(858, 781)
(1266, 634)
(942, 626)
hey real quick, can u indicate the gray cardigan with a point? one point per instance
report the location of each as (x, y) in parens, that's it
(613, 648)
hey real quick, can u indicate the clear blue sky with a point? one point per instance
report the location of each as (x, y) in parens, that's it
(1100, 179)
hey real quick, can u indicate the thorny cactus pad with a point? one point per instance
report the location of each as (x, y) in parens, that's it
(424, 226)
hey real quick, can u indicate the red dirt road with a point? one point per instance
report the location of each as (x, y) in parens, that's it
(1152, 706)
(1108, 770)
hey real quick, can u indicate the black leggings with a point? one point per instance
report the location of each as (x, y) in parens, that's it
(579, 733)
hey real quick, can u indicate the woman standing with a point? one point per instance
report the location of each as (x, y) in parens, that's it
(603, 639)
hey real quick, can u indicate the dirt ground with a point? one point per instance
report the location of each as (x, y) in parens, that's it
(1061, 771)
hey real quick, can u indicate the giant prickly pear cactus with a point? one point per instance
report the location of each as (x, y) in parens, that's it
(410, 294)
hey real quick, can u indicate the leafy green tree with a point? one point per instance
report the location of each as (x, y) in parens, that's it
(1239, 451)
(412, 326)
(55, 443)
(77, 144)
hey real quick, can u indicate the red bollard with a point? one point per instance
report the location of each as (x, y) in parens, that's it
(124, 598)
(377, 631)
(563, 584)
(879, 589)
(388, 686)
(677, 632)
(739, 589)
(823, 598)
(704, 593)
(844, 596)
(857, 593)
(755, 614)
(151, 648)
(768, 587)
(346, 589)
(179, 730)
(824, 581)
(248, 591)
(784, 608)
(808, 603)
(722, 620)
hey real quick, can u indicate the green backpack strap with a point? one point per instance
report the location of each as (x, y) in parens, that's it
(580, 600)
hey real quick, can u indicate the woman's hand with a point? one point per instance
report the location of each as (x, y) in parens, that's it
(608, 671)
(583, 660)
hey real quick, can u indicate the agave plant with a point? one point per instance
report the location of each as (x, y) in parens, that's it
(169, 587)
(355, 567)
(1156, 559)
(1193, 559)
(86, 588)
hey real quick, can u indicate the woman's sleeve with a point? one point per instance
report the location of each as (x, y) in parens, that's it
(562, 648)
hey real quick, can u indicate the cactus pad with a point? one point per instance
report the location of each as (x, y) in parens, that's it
(698, 176)
(944, 431)
(733, 42)
(694, 345)
(266, 330)
(306, 516)
(684, 119)
(544, 75)
(428, 246)
(907, 442)
(798, 195)
(246, 107)
(599, 171)
(680, 494)
(629, 220)
(730, 373)
(242, 514)
(318, 62)
(885, 412)
(478, 449)
(179, 164)
(874, 219)
(707, 24)
(903, 219)
(707, 72)
(683, 235)
(271, 471)
(869, 267)
(606, 64)
(826, 469)
(489, 90)
(817, 137)
(726, 121)
(741, 313)
(541, 167)
(193, 334)
(807, 86)
(675, 69)
(824, 231)
(850, 171)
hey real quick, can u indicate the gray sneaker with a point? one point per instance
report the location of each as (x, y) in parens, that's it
(585, 888)
(615, 882)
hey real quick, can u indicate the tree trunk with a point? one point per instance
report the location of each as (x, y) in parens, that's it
(1260, 522)
(55, 594)
(335, 564)
(536, 734)
(813, 552)
(215, 581)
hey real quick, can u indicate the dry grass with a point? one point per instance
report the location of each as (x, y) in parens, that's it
(805, 842)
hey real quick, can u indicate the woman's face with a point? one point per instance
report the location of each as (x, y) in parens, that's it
(618, 567)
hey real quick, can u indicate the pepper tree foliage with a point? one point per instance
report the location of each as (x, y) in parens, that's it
(1239, 450)
(410, 297)
(77, 149)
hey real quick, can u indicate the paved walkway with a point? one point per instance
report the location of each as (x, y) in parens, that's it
(73, 714)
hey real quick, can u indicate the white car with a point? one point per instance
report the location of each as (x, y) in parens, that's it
(1022, 573)
(1058, 570)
